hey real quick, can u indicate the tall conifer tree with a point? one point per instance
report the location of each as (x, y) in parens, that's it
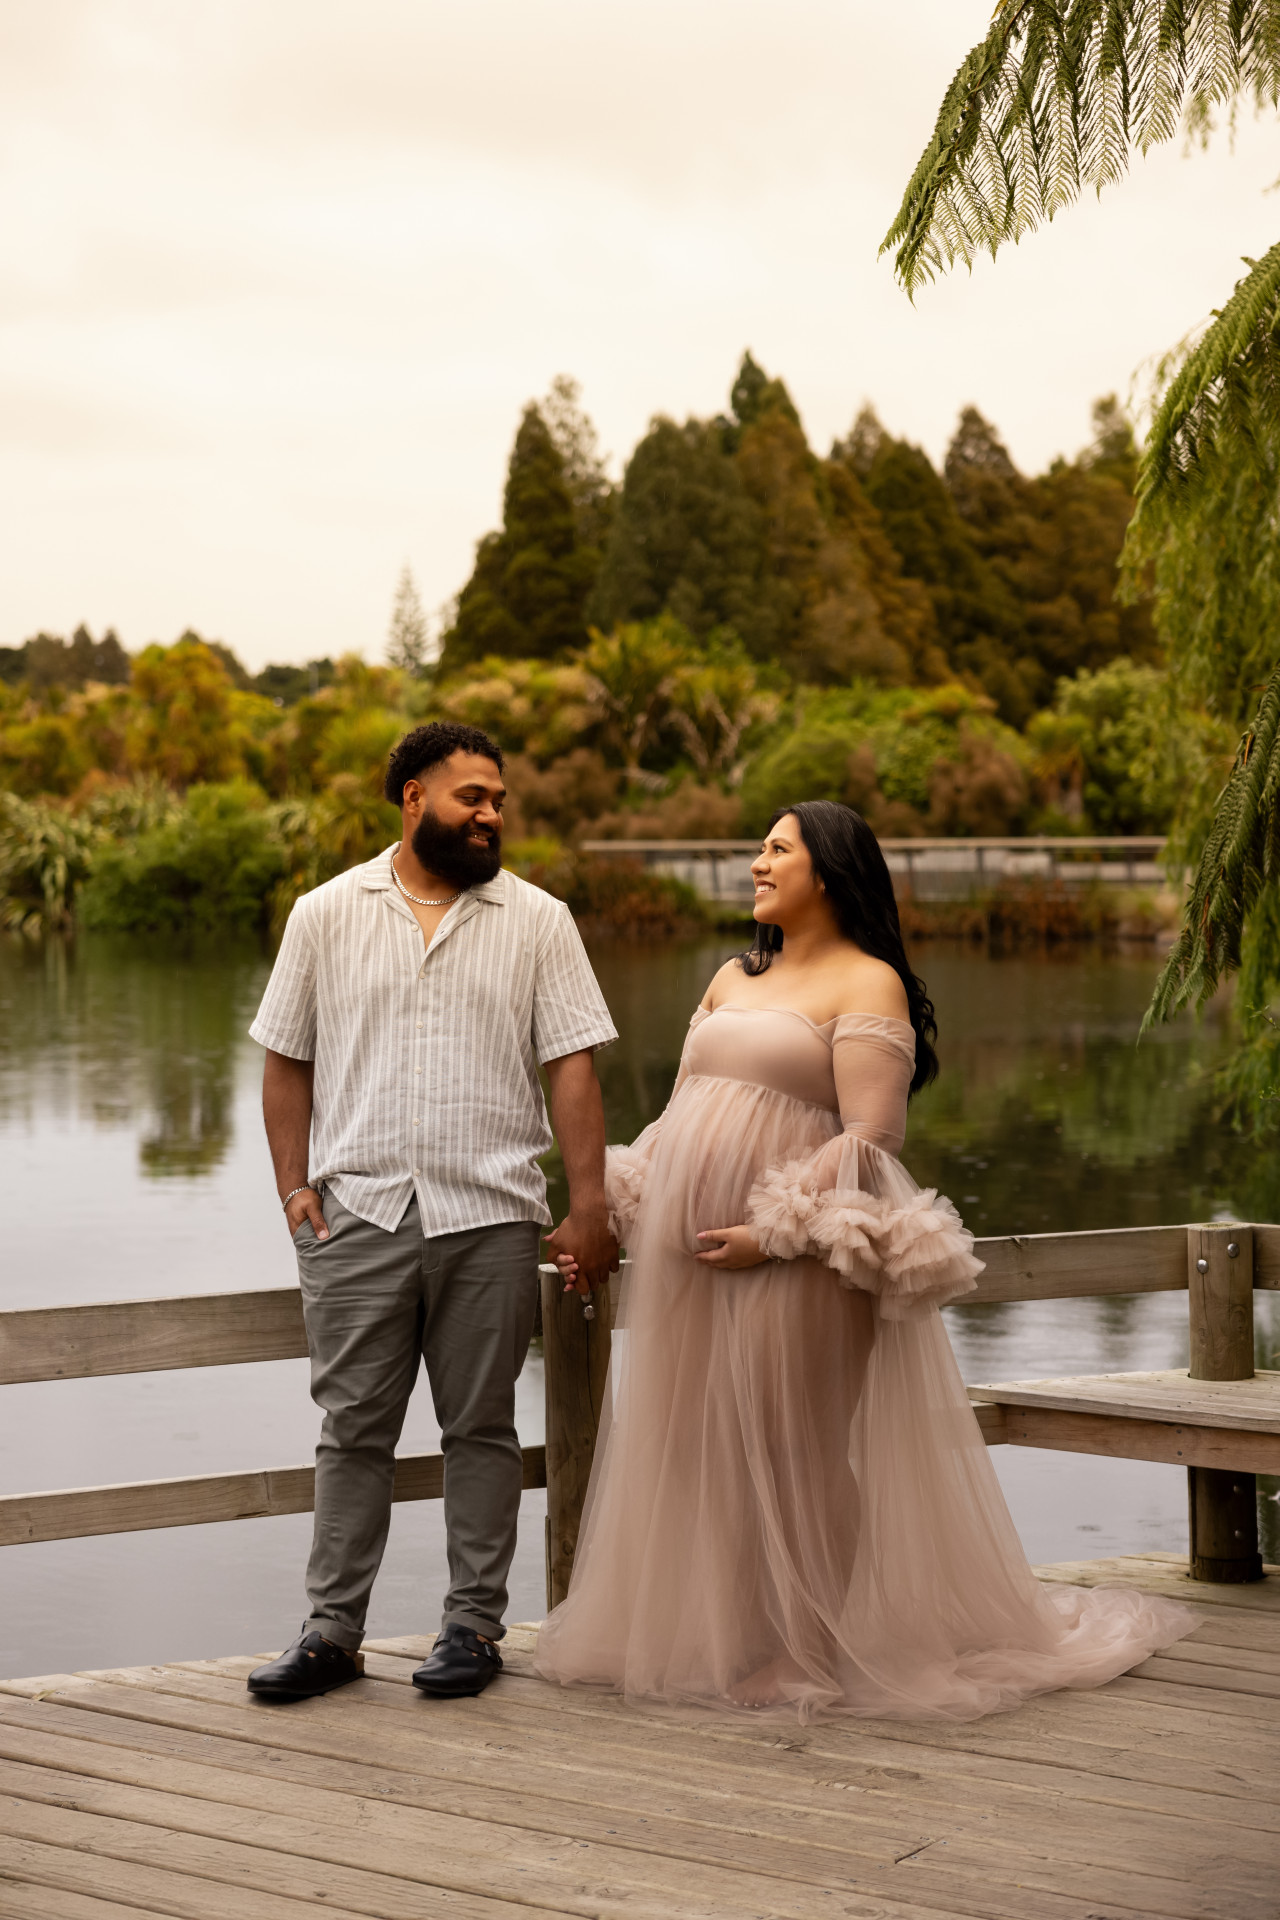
(685, 539)
(408, 643)
(526, 595)
(735, 523)
(1021, 572)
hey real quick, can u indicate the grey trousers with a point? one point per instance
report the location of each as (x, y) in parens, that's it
(375, 1303)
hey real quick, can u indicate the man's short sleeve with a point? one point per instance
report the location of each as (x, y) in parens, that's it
(286, 1020)
(569, 1011)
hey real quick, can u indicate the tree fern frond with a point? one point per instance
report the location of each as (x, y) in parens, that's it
(1161, 40)
(1056, 96)
(1224, 400)
(1241, 857)
(1026, 193)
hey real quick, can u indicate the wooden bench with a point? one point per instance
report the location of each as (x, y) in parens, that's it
(1219, 1419)
(1229, 1424)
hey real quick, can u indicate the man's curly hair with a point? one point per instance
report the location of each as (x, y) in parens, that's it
(427, 746)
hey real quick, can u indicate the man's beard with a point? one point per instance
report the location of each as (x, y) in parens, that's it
(452, 856)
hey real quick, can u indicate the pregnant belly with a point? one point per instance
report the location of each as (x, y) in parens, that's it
(718, 1137)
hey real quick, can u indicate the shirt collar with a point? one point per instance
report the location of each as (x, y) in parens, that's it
(376, 876)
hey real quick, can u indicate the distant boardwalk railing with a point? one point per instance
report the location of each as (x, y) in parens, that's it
(1220, 1420)
(934, 869)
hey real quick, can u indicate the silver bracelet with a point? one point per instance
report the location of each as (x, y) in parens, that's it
(306, 1187)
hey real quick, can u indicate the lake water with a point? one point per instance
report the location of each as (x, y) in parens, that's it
(136, 1165)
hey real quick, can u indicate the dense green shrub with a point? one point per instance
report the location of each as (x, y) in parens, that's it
(1117, 754)
(912, 760)
(210, 867)
(617, 896)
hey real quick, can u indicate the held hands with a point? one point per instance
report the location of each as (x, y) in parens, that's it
(723, 1247)
(306, 1206)
(584, 1249)
(730, 1247)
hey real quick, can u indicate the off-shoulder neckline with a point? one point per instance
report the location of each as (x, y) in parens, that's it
(876, 1019)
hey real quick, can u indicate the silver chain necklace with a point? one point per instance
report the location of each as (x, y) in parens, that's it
(417, 900)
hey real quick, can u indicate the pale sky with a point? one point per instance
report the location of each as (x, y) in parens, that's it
(278, 277)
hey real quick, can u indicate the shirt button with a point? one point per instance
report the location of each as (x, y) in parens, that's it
(415, 1123)
(419, 1024)
(417, 1173)
(417, 1069)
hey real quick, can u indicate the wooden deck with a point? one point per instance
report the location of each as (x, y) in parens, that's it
(167, 1790)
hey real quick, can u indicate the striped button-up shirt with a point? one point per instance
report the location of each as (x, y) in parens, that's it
(426, 1058)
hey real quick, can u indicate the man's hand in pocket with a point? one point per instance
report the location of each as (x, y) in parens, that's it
(306, 1206)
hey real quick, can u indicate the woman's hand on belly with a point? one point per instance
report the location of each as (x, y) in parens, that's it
(729, 1247)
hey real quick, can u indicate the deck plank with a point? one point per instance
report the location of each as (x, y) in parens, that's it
(1243, 1711)
(878, 1828)
(986, 1875)
(672, 1818)
(74, 1871)
(410, 1856)
(248, 1866)
(796, 1791)
(26, 1900)
(767, 1789)
(1238, 1634)
(1166, 1574)
(1163, 1901)
(1231, 1674)
(676, 1816)
(1124, 1738)
(523, 1712)
(522, 1691)
(169, 1790)
(363, 1797)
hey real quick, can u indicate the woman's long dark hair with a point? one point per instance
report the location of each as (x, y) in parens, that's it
(847, 859)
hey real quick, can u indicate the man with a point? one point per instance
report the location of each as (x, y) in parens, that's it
(404, 1019)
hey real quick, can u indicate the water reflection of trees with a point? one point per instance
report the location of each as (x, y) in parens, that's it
(1046, 1118)
(1095, 1134)
(190, 1113)
(651, 997)
(127, 1034)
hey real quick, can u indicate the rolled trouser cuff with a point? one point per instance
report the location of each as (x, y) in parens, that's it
(334, 1631)
(462, 1617)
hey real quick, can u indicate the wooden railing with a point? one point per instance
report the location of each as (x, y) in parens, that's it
(1222, 1435)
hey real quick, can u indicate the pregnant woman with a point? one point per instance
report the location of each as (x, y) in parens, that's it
(791, 1503)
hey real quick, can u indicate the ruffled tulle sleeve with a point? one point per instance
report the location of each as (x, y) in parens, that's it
(853, 1205)
(626, 1169)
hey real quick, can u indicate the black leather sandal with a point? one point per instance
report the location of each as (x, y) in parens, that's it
(314, 1665)
(460, 1664)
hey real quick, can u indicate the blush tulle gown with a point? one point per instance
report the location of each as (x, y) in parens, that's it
(789, 1479)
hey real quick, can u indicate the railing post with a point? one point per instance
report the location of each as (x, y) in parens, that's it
(575, 1353)
(1223, 1507)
